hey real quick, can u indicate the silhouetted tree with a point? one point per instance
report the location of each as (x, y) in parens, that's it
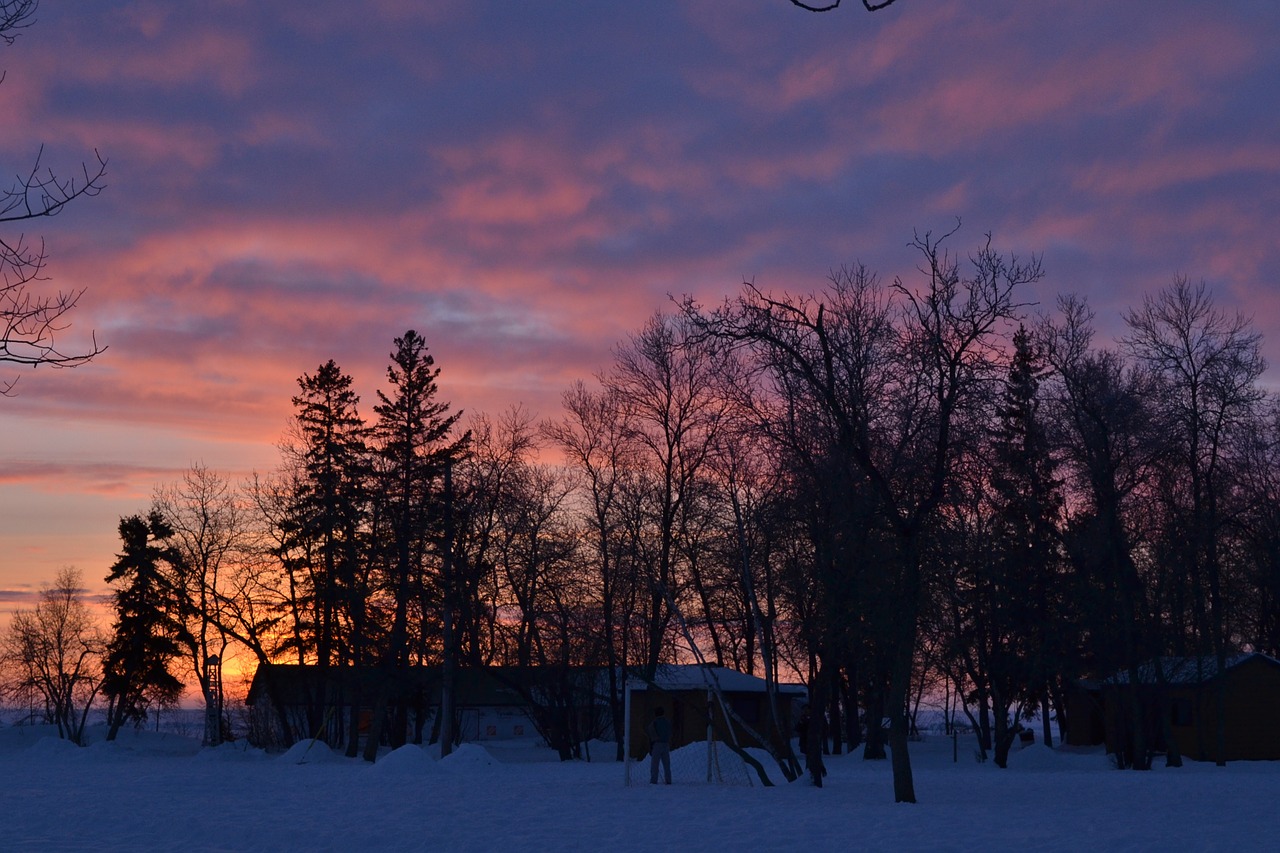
(869, 5)
(51, 656)
(1257, 452)
(1209, 364)
(148, 634)
(29, 321)
(898, 400)
(1112, 441)
(325, 525)
(413, 446)
(665, 380)
(210, 532)
(592, 437)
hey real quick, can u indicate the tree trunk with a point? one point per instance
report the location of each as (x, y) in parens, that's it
(814, 734)
(904, 790)
(1004, 733)
(874, 747)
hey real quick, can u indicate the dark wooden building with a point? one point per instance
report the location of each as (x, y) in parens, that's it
(563, 706)
(1181, 701)
(687, 695)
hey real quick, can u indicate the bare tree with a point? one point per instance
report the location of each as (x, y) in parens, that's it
(1209, 363)
(209, 531)
(869, 5)
(52, 654)
(15, 15)
(1257, 459)
(1111, 440)
(30, 322)
(592, 437)
(897, 383)
(498, 449)
(665, 379)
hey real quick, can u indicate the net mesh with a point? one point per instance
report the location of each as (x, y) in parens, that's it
(698, 763)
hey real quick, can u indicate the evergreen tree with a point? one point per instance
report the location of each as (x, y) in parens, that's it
(325, 528)
(329, 502)
(1027, 503)
(148, 628)
(413, 448)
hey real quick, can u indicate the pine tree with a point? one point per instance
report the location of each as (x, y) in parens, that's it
(1027, 502)
(148, 628)
(413, 449)
(326, 525)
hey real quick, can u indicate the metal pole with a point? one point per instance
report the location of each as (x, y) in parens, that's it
(446, 619)
(710, 733)
(626, 731)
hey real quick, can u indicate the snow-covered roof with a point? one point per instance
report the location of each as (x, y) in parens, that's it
(1186, 670)
(697, 677)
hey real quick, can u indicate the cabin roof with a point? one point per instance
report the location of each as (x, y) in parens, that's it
(1188, 670)
(680, 677)
(488, 686)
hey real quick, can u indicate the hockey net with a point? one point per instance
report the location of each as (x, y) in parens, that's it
(705, 747)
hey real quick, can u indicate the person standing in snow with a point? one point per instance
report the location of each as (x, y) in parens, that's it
(812, 761)
(659, 734)
(802, 729)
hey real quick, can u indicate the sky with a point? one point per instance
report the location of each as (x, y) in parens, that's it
(525, 183)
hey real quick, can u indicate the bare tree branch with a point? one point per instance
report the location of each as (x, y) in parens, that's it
(29, 322)
(869, 5)
(40, 192)
(15, 15)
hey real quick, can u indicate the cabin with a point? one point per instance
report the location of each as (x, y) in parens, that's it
(687, 694)
(1085, 714)
(561, 705)
(1186, 710)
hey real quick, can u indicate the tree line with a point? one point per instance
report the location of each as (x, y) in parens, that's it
(889, 490)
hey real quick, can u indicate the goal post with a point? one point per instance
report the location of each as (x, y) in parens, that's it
(626, 729)
(742, 765)
(704, 745)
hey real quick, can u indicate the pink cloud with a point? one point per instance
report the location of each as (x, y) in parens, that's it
(295, 184)
(1163, 169)
(99, 478)
(161, 50)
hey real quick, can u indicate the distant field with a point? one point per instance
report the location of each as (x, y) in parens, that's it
(186, 722)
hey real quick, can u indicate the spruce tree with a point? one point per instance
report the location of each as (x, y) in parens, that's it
(327, 525)
(413, 448)
(148, 627)
(1027, 502)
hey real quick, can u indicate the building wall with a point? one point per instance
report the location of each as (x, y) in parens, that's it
(490, 724)
(688, 711)
(1085, 721)
(1252, 704)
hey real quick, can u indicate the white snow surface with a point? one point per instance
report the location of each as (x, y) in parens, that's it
(157, 791)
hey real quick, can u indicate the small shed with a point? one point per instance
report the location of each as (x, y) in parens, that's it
(1085, 714)
(1249, 686)
(686, 693)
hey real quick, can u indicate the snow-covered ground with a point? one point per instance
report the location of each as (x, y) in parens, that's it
(161, 791)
